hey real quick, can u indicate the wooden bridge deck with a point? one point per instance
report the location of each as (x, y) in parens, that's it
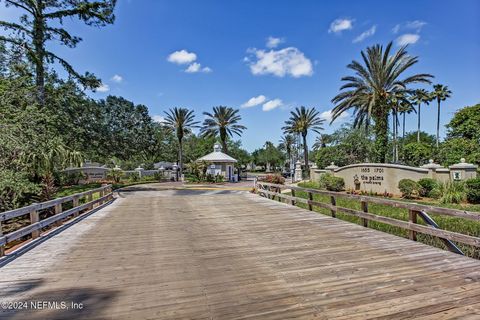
(234, 255)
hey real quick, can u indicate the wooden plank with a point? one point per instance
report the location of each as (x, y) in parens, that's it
(310, 198)
(75, 203)
(292, 202)
(58, 210)
(2, 246)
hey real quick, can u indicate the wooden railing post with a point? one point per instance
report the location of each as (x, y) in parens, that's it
(58, 210)
(412, 218)
(364, 209)
(292, 202)
(34, 217)
(75, 203)
(90, 199)
(333, 202)
(310, 198)
(2, 248)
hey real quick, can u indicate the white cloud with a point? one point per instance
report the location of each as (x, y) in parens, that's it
(103, 88)
(340, 25)
(255, 101)
(158, 118)
(415, 26)
(272, 104)
(273, 42)
(117, 78)
(327, 116)
(364, 35)
(408, 38)
(182, 57)
(197, 67)
(288, 61)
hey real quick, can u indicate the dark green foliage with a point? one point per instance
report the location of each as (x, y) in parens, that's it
(426, 186)
(465, 124)
(269, 156)
(331, 183)
(453, 149)
(416, 154)
(15, 189)
(473, 190)
(408, 188)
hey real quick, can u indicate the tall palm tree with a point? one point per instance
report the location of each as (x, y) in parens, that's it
(301, 120)
(440, 93)
(181, 121)
(420, 96)
(287, 143)
(222, 123)
(368, 90)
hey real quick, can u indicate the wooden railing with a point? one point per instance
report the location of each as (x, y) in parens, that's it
(35, 227)
(271, 191)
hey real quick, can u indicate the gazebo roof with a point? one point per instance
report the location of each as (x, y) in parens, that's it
(217, 156)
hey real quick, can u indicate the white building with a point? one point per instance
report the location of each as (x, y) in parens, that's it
(220, 163)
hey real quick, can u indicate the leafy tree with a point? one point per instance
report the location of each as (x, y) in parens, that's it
(426, 138)
(181, 121)
(268, 156)
(465, 124)
(42, 21)
(416, 154)
(440, 93)
(368, 91)
(453, 149)
(300, 122)
(224, 123)
(331, 154)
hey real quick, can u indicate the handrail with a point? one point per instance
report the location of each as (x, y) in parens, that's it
(36, 225)
(271, 191)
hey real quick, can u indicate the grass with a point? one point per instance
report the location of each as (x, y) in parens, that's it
(459, 225)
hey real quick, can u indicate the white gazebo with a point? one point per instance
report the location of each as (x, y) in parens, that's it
(220, 163)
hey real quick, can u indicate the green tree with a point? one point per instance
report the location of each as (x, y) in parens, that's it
(465, 124)
(287, 143)
(300, 122)
(42, 21)
(440, 93)
(368, 91)
(416, 154)
(453, 149)
(224, 123)
(181, 121)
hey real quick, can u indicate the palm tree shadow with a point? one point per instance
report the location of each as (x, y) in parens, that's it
(74, 303)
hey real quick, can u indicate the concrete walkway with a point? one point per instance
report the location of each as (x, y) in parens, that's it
(229, 254)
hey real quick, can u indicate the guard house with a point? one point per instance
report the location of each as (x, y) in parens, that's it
(220, 163)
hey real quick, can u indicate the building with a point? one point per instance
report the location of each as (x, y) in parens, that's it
(220, 163)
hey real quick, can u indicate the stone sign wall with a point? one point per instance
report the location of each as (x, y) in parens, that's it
(383, 177)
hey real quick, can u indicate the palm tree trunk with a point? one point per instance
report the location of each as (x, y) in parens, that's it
(438, 121)
(180, 157)
(403, 133)
(394, 135)
(381, 136)
(418, 124)
(223, 139)
(305, 150)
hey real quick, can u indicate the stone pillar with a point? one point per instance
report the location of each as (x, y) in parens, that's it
(463, 171)
(331, 168)
(432, 169)
(139, 171)
(312, 170)
(298, 172)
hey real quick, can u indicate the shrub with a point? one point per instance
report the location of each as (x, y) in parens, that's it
(331, 183)
(115, 174)
(408, 188)
(274, 178)
(451, 192)
(71, 178)
(426, 186)
(473, 190)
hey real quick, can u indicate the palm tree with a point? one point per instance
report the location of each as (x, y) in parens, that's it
(301, 120)
(287, 143)
(180, 120)
(223, 123)
(440, 93)
(367, 92)
(420, 96)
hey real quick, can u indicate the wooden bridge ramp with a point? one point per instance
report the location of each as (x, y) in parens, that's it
(233, 255)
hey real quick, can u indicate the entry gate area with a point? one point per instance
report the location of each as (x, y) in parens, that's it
(219, 254)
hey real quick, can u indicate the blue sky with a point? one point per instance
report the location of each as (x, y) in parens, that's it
(282, 53)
